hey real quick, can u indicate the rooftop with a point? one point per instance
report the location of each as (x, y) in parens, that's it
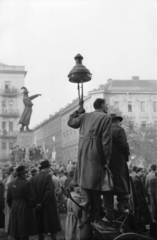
(134, 85)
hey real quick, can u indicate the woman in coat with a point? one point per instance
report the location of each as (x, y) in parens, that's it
(72, 230)
(20, 199)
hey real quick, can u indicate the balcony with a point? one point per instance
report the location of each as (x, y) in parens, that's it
(9, 113)
(8, 134)
(10, 92)
(154, 114)
(143, 115)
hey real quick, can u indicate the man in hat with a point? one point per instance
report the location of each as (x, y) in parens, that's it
(119, 169)
(94, 152)
(142, 207)
(47, 216)
(20, 199)
(26, 115)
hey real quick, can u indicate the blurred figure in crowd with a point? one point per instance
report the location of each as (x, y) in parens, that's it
(133, 173)
(141, 197)
(47, 216)
(20, 199)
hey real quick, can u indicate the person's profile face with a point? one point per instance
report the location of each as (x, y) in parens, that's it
(105, 107)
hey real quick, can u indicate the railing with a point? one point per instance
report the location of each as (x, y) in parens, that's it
(9, 92)
(7, 134)
(9, 113)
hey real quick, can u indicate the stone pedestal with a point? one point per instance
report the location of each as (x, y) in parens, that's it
(25, 139)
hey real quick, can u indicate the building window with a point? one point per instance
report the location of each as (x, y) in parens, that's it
(155, 123)
(143, 124)
(116, 104)
(129, 106)
(131, 125)
(4, 146)
(10, 126)
(3, 125)
(154, 106)
(4, 103)
(7, 86)
(142, 106)
(10, 145)
(10, 102)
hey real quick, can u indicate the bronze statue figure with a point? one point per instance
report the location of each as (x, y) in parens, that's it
(26, 115)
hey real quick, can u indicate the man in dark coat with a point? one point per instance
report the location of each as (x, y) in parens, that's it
(26, 115)
(20, 199)
(119, 168)
(47, 216)
(140, 193)
(1, 204)
(94, 150)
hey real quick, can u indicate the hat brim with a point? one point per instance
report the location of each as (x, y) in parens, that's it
(24, 171)
(41, 167)
(118, 118)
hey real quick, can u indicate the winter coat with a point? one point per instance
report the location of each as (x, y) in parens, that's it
(153, 197)
(118, 161)
(147, 181)
(94, 148)
(72, 230)
(47, 216)
(1, 205)
(140, 193)
(20, 199)
(26, 115)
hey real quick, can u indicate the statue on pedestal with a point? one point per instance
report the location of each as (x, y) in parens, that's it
(26, 115)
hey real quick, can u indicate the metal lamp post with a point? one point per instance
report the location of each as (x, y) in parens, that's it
(79, 74)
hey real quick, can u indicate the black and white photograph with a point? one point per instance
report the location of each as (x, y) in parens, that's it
(78, 119)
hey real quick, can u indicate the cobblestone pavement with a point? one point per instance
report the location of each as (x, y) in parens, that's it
(60, 235)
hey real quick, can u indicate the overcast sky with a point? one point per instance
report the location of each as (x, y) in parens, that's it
(117, 38)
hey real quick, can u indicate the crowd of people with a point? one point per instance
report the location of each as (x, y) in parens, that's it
(32, 192)
(19, 154)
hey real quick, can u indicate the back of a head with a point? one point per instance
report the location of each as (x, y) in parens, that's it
(98, 102)
(153, 167)
(71, 173)
(134, 168)
(66, 173)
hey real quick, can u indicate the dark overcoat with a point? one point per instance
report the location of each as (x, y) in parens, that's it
(153, 197)
(20, 199)
(47, 217)
(26, 115)
(140, 193)
(1, 205)
(118, 161)
(94, 148)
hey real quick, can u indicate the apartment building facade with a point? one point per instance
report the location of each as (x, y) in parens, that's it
(48, 136)
(11, 106)
(134, 98)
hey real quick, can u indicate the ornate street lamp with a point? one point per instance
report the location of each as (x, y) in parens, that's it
(79, 74)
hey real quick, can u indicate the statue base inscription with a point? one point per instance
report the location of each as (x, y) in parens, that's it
(25, 139)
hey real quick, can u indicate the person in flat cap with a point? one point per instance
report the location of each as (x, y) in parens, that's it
(20, 199)
(140, 192)
(119, 169)
(47, 216)
(26, 115)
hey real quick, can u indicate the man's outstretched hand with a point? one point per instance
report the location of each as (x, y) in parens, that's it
(81, 109)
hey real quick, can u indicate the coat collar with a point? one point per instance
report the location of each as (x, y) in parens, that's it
(99, 110)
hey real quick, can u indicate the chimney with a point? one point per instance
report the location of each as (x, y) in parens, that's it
(109, 80)
(135, 78)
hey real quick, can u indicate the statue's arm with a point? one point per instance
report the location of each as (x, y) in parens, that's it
(34, 96)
